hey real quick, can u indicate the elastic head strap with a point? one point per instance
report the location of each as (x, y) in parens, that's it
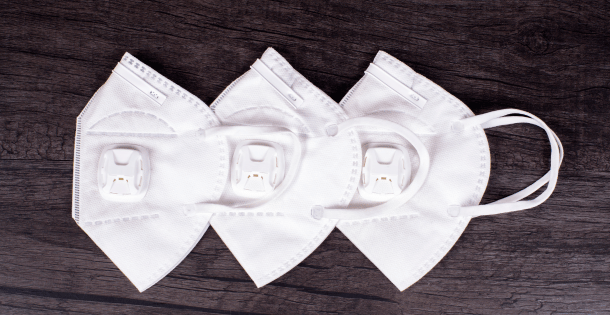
(250, 131)
(513, 202)
(386, 208)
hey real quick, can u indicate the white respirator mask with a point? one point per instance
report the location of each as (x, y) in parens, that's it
(409, 240)
(269, 227)
(139, 155)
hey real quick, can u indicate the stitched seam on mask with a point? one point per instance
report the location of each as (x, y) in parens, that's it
(223, 167)
(351, 187)
(253, 214)
(168, 86)
(351, 92)
(317, 93)
(225, 92)
(76, 184)
(123, 219)
(132, 134)
(379, 219)
(299, 256)
(303, 128)
(133, 112)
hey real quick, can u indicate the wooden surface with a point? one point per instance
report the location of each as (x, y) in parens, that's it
(549, 58)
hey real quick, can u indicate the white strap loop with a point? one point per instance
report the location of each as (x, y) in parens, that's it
(250, 131)
(513, 202)
(319, 212)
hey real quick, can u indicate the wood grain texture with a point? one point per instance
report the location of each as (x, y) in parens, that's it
(551, 58)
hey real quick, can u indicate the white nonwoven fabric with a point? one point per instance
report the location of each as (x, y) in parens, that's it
(409, 241)
(408, 244)
(146, 239)
(271, 239)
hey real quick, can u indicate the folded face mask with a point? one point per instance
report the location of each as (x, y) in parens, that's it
(139, 156)
(270, 231)
(409, 240)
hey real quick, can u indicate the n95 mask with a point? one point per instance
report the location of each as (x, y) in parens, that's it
(139, 155)
(271, 233)
(409, 240)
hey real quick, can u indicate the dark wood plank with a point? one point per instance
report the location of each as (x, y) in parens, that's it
(549, 58)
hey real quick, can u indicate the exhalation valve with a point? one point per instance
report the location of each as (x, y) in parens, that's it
(386, 171)
(257, 168)
(123, 173)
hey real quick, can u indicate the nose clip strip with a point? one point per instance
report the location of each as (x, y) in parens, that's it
(319, 212)
(280, 86)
